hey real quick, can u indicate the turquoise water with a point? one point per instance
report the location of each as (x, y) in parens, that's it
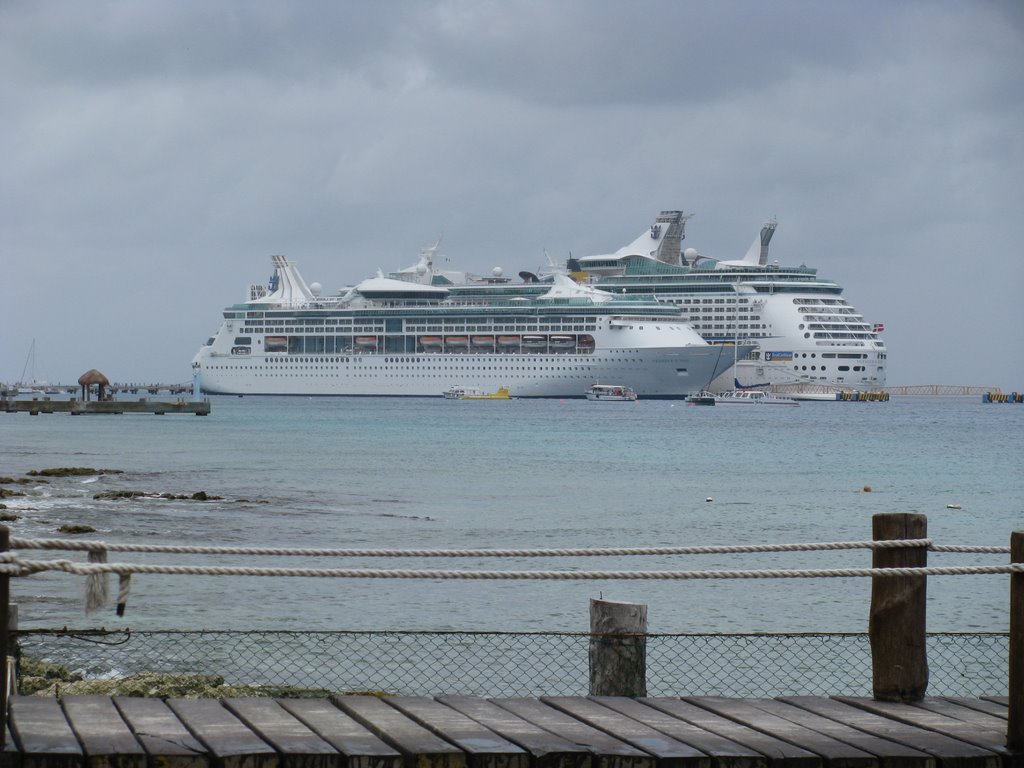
(430, 473)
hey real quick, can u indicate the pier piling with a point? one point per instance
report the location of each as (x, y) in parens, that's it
(618, 649)
(1015, 723)
(896, 625)
(5, 671)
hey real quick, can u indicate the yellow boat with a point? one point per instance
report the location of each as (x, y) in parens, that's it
(472, 393)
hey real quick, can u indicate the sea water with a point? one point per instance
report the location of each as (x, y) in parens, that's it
(393, 473)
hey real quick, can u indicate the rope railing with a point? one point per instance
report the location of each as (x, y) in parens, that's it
(96, 591)
(17, 567)
(96, 546)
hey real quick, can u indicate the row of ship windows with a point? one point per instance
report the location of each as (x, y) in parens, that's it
(709, 327)
(823, 368)
(836, 335)
(741, 326)
(829, 302)
(713, 301)
(854, 319)
(257, 318)
(720, 318)
(426, 361)
(829, 310)
(250, 327)
(281, 370)
(536, 327)
(840, 355)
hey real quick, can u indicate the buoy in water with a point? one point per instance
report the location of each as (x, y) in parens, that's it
(866, 489)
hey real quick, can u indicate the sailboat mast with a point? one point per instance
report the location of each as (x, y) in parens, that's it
(31, 357)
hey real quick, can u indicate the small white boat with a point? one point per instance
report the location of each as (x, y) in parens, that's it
(610, 392)
(752, 397)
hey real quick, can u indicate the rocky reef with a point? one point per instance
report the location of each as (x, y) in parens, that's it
(43, 678)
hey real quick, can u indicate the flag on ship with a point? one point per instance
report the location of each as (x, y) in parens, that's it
(879, 327)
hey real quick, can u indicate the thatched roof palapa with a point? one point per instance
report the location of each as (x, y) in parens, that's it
(90, 378)
(93, 377)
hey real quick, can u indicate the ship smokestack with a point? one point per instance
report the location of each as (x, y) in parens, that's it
(670, 228)
(766, 237)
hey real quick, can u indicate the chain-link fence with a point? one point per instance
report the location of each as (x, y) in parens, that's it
(517, 664)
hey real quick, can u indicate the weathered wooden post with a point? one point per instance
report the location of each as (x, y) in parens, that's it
(896, 627)
(618, 649)
(5, 601)
(1015, 724)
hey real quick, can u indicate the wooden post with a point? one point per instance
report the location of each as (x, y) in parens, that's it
(1015, 724)
(896, 627)
(5, 601)
(618, 649)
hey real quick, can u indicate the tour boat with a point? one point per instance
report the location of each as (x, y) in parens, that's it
(457, 392)
(610, 392)
(752, 397)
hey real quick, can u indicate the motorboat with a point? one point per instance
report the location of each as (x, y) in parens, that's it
(610, 392)
(458, 392)
(753, 397)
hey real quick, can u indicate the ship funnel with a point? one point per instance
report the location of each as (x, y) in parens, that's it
(766, 237)
(669, 231)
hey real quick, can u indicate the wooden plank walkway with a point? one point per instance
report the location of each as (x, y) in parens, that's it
(468, 732)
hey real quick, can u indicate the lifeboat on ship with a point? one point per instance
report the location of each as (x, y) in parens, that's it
(366, 342)
(430, 342)
(562, 342)
(456, 342)
(508, 341)
(534, 342)
(483, 342)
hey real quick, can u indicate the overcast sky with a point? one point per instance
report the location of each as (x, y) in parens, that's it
(155, 154)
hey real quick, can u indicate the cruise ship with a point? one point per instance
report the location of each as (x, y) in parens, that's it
(806, 337)
(420, 331)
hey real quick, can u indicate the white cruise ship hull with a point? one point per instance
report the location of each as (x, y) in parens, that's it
(652, 373)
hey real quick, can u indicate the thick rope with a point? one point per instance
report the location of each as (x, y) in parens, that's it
(27, 567)
(970, 549)
(89, 546)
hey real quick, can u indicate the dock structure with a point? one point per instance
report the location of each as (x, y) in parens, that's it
(365, 731)
(80, 407)
(898, 727)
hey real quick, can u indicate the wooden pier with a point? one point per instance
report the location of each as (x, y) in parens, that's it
(80, 407)
(468, 732)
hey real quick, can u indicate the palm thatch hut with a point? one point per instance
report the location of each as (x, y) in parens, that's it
(93, 378)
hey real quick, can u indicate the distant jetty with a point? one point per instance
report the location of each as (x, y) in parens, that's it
(10, 391)
(35, 406)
